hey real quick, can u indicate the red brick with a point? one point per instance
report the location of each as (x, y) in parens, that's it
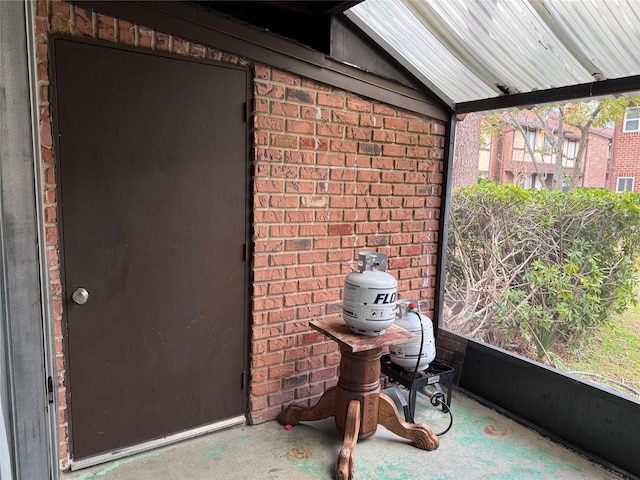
(315, 113)
(285, 109)
(310, 311)
(265, 388)
(298, 272)
(334, 159)
(269, 216)
(283, 77)
(418, 126)
(414, 152)
(311, 284)
(310, 338)
(268, 274)
(311, 257)
(358, 104)
(358, 133)
(349, 118)
(283, 201)
(268, 359)
(430, 141)
(384, 136)
(275, 186)
(381, 189)
(403, 164)
(282, 343)
(282, 287)
(267, 303)
(383, 109)
(326, 296)
(282, 315)
(324, 374)
(344, 146)
(310, 143)
(268, 245)
(269, 90)
(283, 231)
(106, 28)
(300, 95)
(287, 141)
(298, 244)
(299, 216)
(269, 123)
(331, 130)
(312, 230)
(393, 150)
(297, 126)
(299, 157)
(406, 139)
(371, 121)
(306, 361)
(281, 398)
(341, 229)
(368, 176)
(331, 100)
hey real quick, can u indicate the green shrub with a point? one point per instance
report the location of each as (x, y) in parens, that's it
(530, 270)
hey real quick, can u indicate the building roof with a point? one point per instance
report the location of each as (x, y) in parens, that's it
(485, 54)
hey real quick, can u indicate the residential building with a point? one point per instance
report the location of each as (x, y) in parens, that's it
(525, 155)
(625, 164)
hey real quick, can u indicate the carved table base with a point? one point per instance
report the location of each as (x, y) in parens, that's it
(357, 403)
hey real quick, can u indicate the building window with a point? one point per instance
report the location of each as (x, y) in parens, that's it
(631, 120)
(485, 141)
(571, 149)
(624, 184)
(531, 139)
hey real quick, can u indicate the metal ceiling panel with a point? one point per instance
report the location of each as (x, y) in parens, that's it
(470, 50)
(607, 32)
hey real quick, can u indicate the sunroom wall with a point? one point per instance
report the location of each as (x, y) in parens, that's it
(333, 174)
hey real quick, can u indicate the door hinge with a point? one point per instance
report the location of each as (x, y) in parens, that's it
(245, 112)
(50, 390)
(243, 380)
(244, 252)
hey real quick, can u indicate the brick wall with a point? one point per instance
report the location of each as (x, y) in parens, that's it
(594, 171)
(625, 157)
(334, 174)
(451, 348)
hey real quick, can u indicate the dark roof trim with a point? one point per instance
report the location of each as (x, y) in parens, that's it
(560, 94)
(197, 25)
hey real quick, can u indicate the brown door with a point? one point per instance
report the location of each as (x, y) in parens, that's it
(153, 186)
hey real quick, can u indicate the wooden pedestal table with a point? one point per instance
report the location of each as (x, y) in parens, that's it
(356, 401)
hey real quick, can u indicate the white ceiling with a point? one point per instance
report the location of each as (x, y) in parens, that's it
(470, 50)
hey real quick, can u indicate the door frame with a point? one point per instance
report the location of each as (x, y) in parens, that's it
(248, 270)
(27, 361)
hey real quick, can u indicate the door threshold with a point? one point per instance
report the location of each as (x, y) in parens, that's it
(160, 442)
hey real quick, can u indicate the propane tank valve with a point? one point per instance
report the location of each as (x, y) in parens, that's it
(370, 296)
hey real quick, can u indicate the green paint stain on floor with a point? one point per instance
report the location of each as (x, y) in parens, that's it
(216, 452)
(490, 435)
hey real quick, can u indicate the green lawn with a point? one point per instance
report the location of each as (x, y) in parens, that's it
(616, 352)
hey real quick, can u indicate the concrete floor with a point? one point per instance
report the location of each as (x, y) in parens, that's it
(481, 445)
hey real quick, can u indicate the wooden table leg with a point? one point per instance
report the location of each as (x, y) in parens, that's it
(418, 433)
(345, 465)
(325, 408)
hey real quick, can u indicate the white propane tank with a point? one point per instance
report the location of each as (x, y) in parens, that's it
(369, 304)
(406, 354)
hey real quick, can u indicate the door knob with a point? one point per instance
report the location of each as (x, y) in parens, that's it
(80, 296)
